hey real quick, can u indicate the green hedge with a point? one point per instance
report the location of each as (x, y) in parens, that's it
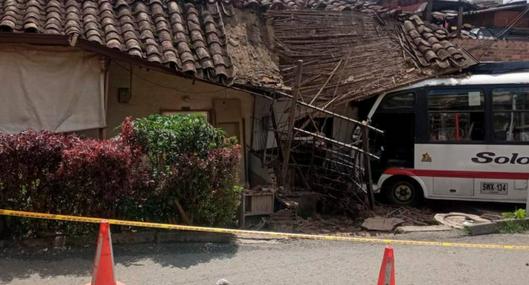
(193, 164)
(157, 164)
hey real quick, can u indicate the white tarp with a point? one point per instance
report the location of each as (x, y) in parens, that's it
(50, 88)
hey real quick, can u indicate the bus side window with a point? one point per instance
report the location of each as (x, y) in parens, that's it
(456, 115)
(510, 107)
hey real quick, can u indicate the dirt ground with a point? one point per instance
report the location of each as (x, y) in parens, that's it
(422, 215)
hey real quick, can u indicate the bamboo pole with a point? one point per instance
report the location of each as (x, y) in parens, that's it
(369, 179)
(352, 147)
(291, 121)
(459, 18)
(429, 8)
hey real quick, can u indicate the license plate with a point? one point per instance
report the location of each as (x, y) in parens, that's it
(494, 188)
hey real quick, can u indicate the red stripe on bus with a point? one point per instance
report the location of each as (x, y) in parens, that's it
(457, 173)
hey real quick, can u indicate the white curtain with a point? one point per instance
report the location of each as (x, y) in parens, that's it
(50, 88)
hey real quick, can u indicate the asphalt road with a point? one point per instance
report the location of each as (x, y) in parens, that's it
(279, 262)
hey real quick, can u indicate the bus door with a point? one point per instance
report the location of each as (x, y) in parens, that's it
(396, 116)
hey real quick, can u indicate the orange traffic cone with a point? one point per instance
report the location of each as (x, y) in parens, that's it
(387, 269)
(103, 273)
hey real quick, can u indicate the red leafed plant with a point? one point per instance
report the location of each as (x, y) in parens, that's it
(28, 163)
(99, 175)
(55, 173)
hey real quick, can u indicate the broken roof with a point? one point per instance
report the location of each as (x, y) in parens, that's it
(328, 5)
(360, 43)
(348, 56)
(350, 49)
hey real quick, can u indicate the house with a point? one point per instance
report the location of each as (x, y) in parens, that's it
(505, 21)
(83, 66)
(421, 8)
(496, 50)
(479, 19)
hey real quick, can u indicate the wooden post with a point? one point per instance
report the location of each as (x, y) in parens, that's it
(367, 167)
(290, 128)
(527, 203)
(312, 107)
(429, 7)
(349, 146)
(102, 132)
(459, 18)
(242, 221)
(276, 131)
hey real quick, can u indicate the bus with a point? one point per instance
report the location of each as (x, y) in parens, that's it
(463, 138)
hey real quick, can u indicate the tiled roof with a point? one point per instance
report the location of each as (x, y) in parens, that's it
(186, 36)
(430, 45)
(217, 40)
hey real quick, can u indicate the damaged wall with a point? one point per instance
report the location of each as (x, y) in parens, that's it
(248, 45)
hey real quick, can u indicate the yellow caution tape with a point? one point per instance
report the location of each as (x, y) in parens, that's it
(259, 233)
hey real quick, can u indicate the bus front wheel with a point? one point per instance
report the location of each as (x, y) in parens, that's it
(403, 191)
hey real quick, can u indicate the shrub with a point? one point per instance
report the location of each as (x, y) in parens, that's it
(519, 214)
(207, 187)
(159, 169)
(39, 170)
(178, 134)
(46, 172)
(29, 161)
(514, 222)
(223, 202)
(195, 167)
(97, 176)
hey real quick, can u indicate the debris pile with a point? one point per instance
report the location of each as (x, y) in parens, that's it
(386, 218)
(328, 225)
(381, 224)
(459, 220)
(284, 220)
(411, 216)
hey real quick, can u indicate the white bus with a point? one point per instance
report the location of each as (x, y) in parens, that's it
(454, 139)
